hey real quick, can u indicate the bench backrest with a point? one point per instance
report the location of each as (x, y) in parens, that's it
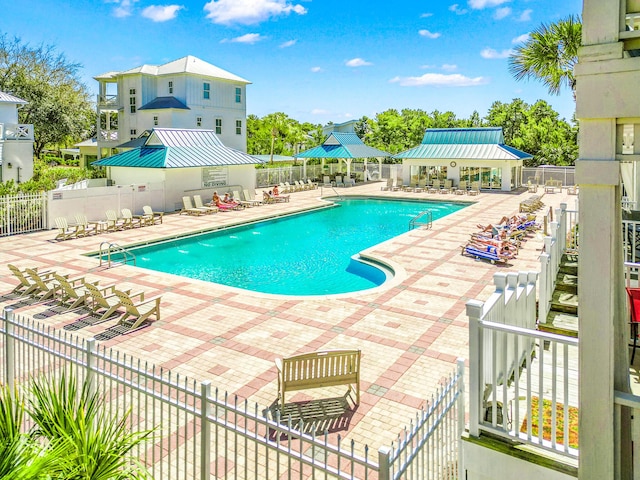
(326, 368)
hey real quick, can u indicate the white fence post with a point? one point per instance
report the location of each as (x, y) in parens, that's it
(461, 412)
(9, 345)
(205, 431)
(384, 453)
(474, 312)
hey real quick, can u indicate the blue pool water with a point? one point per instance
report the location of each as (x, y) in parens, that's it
(305, 254)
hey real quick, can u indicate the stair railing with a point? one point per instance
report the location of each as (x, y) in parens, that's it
(424, 218)
(112, 248)
(555, 245)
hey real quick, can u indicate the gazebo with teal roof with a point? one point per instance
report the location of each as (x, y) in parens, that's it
(344, 147)
(469, 154)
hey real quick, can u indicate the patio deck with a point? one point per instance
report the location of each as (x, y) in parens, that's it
(410, 332)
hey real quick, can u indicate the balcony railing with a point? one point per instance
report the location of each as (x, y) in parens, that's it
(108, 136)
(108, 101)
(16, 131)
(523, 383)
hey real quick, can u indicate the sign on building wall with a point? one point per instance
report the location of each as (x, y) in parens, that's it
(215, 176)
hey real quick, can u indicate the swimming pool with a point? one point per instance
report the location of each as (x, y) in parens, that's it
(303, 254)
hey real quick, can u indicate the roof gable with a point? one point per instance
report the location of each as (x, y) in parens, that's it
(343, 145)
(8, 98)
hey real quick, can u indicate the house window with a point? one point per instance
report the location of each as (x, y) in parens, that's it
(170, 87)
(238, 127)
(219, 126)
(198, 121)
(132, 104)
(132, 91)
(133, 131)
(206, 90)
(238, 95)
(155, 121)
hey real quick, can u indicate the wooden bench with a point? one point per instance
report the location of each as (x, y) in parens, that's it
(319, 369)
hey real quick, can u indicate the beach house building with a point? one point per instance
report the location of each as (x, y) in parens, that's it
(16, 141)
(185, 93)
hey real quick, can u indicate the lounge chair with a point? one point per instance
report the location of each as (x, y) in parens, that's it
(129, 220)
(326, 181)
(189, 209)
(103, 302)
(389, 184)
(114, 223)
(150, 216)
(89, 227)
(197, 200)
(288, 188)
(339, 182)
(139, 312)
(311, 185)
(247, 198)
(44, 286)
(73, 293)
(244, 203)
(26, 287)
(447, 186)
(462, 188)
(475, 188)
(435, 188)
(66, 231)
(394, 186)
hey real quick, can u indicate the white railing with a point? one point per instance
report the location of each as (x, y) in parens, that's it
(201, 433)
(631, 240)
(108, 101)
(563, 237)
(23, 213)
(16, 131)
(540, 175)
(108, 135)
(521, 378)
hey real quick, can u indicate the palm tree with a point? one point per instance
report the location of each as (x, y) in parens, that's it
(279, 125)
(549, 55)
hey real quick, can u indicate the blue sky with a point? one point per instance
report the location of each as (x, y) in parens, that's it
(315, 60)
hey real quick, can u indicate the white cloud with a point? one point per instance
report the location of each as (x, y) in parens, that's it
(316, 69)
(525, 16)
(249, 38)
(124, 8)
(428, 34)
(449, 67)
(161, 13)
(319, 111)
(501, 13)
(249, 12)
(455, 8)
(521, 39)
(492, 54)
(289, 43)
(439, 80)
(481, 4)
(357, 62)
(426, 15)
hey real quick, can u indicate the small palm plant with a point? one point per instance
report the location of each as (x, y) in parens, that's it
(73, 435)
(97, 446)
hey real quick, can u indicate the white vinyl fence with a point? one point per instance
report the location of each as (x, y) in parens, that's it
(202, 433)
(23, 213)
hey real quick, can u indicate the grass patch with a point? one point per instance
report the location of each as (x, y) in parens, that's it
(546, 418)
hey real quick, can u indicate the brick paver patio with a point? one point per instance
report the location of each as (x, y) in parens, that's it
(410, 331)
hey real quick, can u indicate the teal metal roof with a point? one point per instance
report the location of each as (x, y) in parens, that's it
(466, 136)
(179, 148)
(343, 145)
(464, 143)
(161, 103)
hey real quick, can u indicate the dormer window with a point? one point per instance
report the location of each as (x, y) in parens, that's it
(206, 90)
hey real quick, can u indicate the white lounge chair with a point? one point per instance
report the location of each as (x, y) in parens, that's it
(197, 200)
(189, 209)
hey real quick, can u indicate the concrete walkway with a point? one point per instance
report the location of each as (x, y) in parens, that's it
(410, 331)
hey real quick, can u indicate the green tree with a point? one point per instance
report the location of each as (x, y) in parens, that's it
(549, 55)
(279, 127)
(59, 106)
